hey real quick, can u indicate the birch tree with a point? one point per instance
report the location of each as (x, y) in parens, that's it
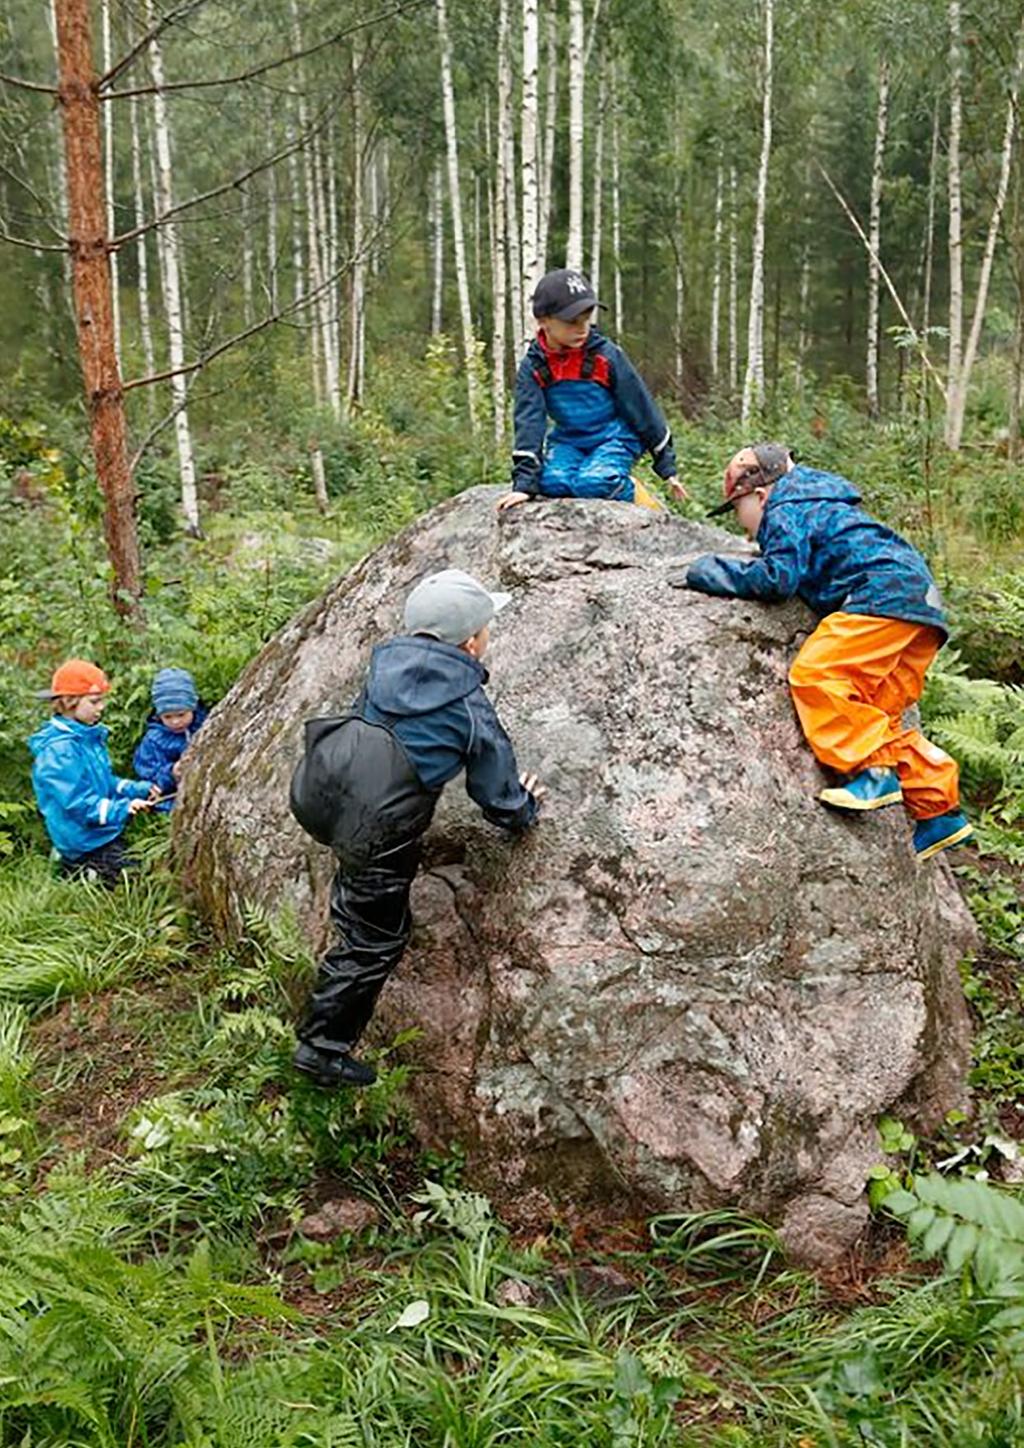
(550, 131)
(956, 272)
(437, 251)
(874, 236)
(574, 241)
(357, 332)
(529, 142)
(716, 275)
(958, 385)
(172, 281)
(108, 174)
(616, 205)
(455, 206)
(596, 213)
(499, 273)
(753, 383)
(734, 288)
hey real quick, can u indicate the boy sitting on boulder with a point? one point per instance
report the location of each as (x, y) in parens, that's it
(604, 416)
(882, 625)
(368, 786)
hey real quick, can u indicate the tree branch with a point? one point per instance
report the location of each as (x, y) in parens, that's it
(268, 65)
(314, 129)
(154, 33)
(26, 242)
(872, 253)
(30, 85)
(237, 337)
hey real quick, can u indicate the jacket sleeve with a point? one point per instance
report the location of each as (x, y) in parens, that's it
(492, 774)
(531, 425)
(637, 407)
(150, 763)
(776, 575)
(58, 775)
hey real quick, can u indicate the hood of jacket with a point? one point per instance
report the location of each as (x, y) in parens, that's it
(808, 485)
(414, 674)
(59, 728)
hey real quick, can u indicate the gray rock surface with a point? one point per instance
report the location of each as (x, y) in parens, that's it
(692, 985)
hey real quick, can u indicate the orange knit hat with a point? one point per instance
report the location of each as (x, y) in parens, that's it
(74, 678)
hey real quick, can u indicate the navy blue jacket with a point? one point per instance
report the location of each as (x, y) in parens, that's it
(817, 543)
(159, 750)
(431, 695)
(83, 802)
(613, 403)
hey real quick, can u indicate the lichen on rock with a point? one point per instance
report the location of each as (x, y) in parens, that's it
(692, 985)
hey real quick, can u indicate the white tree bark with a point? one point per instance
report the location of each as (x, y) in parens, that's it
(874, 237)
(734, 288)
(753, 383)
(247, 256)
(521, 307)
(437, 251)
(716, 276)
(172, 284)
(956, 246)
(109, 177)
(357, 317)
(455, 204)
(958, 403)
(616, 204)
(499, 271)
(141, 252)
(530, 154)
(273, 223)
(550, 130)
(574, 242)
(929, 261)
(596, 215)
(680, 324)
(299, 286)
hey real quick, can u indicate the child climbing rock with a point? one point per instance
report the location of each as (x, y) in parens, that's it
(84, 805)
(882, 625)
(176, 719)
(604, 417)
(368, 786)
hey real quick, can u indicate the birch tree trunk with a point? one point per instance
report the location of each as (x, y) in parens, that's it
(716, 276)
(956, 248)
(734, 289)
(958, 404)
(550, 129)
(355, 359)
(596, 217)
(929, 258)
(141, 250)
(753, 384)
(108, 174)
(520, 306)
(295, 187)
(499, 271)
(574, 242)
(455, 203)
(874, 237)
(172, 284)
(93, 295)
(529, 158)
(272, 223)
(437, 251)
(248, 220)
(616, 205)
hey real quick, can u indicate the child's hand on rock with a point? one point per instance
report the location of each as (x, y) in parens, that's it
(512, 500)
(176, 768)
(533, 786)
(677, 489)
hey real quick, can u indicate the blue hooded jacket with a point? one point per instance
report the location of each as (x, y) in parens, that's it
(586, 411)
(431, 695)
(83, 802)
(817, 543)
(159, 750)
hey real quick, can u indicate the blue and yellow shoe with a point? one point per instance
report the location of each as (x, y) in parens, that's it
(931, 836)
(871, 789)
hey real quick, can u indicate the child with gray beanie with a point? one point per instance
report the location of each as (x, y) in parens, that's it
(176, 719)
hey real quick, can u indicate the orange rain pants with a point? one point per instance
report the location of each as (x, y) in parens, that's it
(851, 682)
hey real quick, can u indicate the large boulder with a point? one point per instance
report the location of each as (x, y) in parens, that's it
(692, 985)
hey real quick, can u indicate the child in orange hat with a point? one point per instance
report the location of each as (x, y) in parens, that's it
(84, 805)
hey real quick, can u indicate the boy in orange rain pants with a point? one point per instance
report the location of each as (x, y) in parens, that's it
(882, 625)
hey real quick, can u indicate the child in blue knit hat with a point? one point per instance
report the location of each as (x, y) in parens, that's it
(176, 719)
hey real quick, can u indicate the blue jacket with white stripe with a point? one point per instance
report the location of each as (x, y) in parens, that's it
(83, 802)
(593, 394)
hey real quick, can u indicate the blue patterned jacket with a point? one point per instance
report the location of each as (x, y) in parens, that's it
(818, 544)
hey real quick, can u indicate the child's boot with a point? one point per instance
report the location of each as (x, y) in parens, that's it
(938, 833)
(871, 789)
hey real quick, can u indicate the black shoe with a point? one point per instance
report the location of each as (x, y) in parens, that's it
(328, 1069)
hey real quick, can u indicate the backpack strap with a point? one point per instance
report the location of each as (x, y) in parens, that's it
(542, 374)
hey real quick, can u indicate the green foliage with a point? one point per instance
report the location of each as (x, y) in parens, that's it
(65, 937)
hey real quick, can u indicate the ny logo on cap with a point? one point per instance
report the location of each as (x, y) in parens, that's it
(575, 283)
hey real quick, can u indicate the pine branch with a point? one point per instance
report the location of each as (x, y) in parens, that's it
(28, 243)
(30, 85)
(266, 66)
(144, 41)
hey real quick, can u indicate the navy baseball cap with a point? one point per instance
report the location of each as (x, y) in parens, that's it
(564, 294)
